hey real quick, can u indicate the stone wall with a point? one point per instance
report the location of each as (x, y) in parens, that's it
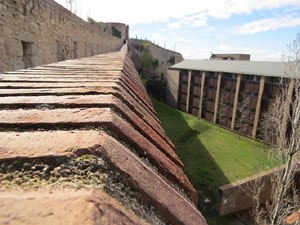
(238, 195)
(161, 54)
(82, 138)
(123, 28)
(36, 32)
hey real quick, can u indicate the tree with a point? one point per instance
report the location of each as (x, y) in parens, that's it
(222, 108)
(283, 122)
(157, 87)
(147, 60)
(243, 110)
(171, 60)
(115, 32)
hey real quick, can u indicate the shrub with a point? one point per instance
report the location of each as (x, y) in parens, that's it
(116, 32)
(157, 87)
(171, 60)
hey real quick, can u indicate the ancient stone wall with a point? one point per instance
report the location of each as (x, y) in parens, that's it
(158, 53)
(123, 28)
(81, 144)
(36, 32)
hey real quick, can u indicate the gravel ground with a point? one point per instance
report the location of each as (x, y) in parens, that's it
(87, 171)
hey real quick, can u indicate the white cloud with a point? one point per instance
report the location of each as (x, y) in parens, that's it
(197, 20)
(181, 41)
(211, 29)
(195, 53)
(174, 26)
(224, 47)
(156, 35)
(199, 23)
(257, 54)
(135, 11)
(158, 38)
(268, 24)
(182, 15)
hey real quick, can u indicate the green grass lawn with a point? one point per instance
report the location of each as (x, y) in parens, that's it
(212, 156)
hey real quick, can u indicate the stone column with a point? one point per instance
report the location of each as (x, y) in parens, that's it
(188, 92)
(201, 93)
(236, 99)
(217, 97)
(258, 105)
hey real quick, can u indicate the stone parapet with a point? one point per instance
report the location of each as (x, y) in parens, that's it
(88, 125)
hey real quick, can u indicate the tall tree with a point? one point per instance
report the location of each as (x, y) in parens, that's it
(222, 109)
(282, 122)
(243, 110)
(147, 61)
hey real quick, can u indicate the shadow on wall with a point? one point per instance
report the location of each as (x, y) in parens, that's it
(205, 175)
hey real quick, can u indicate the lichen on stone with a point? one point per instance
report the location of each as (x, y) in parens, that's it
(86, 171)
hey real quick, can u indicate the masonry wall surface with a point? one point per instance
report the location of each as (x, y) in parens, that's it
(123, 28)
(161, 54)
(36, 32)
(238, 195)
(95, 113)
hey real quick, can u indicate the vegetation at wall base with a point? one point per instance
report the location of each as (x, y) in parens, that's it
(212, 158)
(171, 60)
(157, 87)
(148, 64)
(116, 32)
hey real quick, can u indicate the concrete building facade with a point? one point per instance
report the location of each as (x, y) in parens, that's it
(230, 57)
(209, 88)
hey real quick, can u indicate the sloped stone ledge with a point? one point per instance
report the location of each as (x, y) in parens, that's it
(96, 106)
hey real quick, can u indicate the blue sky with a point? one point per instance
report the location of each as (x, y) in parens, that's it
(262, 28)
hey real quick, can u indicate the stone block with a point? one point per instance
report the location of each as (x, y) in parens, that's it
(18, 64)
(30, 49)
(25, 36)
(175, 208)
(13, 48)
(35, 61)
(3, 9)
(2, 50)
(63, 206)
(7, 31)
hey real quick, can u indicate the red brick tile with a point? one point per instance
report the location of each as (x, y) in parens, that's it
(67, 206)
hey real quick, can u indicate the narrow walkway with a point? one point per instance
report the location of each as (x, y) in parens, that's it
(90, 106)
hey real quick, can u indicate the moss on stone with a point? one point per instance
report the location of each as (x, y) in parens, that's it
(86, 171)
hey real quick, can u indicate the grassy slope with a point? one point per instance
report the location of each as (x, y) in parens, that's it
(212, 156)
